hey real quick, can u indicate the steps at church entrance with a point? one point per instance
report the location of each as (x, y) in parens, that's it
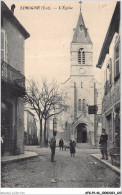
(84, 146)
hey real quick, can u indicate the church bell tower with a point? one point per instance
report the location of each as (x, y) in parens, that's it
(81, 77)
(81, 50)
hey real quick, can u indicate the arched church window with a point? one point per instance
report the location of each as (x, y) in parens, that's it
(81, 56)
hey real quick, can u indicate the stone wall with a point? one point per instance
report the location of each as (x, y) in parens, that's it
(20, 125)
(15, 46)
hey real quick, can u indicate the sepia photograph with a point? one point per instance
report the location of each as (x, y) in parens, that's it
(60, 97)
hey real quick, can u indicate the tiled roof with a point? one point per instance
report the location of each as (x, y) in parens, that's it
(6, 12)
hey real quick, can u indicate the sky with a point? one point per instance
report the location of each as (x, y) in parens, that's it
(47, 50)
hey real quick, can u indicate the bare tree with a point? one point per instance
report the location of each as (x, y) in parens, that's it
(33, 97)
(53, 102)
(46, 100)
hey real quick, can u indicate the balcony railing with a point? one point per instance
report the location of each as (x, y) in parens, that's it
(11, 75)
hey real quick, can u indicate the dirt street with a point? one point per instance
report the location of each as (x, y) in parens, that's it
(81, 171)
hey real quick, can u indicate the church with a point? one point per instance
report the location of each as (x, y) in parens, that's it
(80, 90)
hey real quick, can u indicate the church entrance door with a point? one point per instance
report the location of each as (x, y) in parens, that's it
(81, 133)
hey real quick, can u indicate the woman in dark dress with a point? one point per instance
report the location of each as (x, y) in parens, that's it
(72, 147)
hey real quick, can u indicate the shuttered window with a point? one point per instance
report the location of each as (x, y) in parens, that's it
(110, 71)
(117, 60)
(108, 77)
(4, 46)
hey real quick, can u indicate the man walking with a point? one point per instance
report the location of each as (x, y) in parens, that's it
(53, 146)
(103, 144)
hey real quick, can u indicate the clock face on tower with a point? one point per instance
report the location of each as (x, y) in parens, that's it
(82, 71)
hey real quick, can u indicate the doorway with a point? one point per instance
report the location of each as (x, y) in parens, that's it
(81, 133)
(6, 127)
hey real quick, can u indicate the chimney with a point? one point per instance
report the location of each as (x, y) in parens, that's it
(12, 8)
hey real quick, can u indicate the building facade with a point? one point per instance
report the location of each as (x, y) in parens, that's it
(13, 35)
(109, 63)
(80, 90)
(30, 128)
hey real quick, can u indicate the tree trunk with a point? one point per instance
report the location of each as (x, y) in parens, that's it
(45, 131)
(41, 131)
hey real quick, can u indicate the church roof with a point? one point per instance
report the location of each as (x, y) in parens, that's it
(81, 34)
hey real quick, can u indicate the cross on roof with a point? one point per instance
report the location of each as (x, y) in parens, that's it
(80, 5)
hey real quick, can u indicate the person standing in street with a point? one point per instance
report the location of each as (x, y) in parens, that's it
(103, 144)
(53, 146)
(61, 144)
(72, 147)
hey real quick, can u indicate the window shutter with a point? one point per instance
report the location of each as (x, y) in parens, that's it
(79, 57)
(3, 45)
(105, 81)
(117, 60)
(83, 57)
(110, 71)
(6, 48)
